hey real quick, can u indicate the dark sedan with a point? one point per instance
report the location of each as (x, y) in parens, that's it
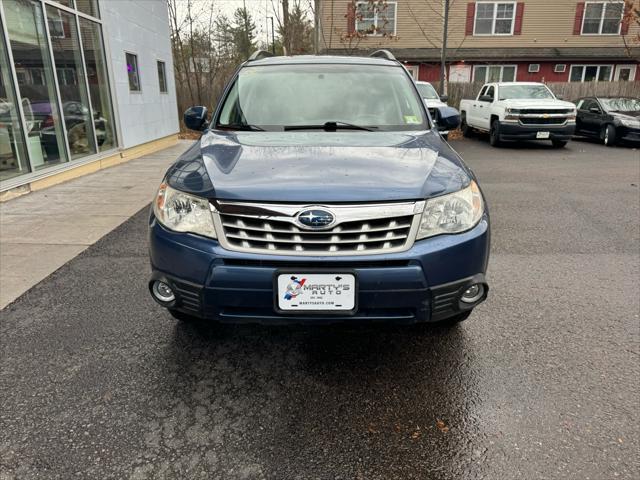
(611, 119)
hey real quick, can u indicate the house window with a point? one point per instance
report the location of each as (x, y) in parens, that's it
(560, 68)
(602, 18)
(376, 18)
(162, 77)
(132, 71)
(494, 73)
(534, 67)
(590, 73)
(494, 18)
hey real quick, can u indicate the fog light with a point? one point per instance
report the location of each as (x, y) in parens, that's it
(163, 292)
(473, 293)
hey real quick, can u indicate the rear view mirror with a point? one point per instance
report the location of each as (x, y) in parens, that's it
(560, 97)
(195, 118)
(594, 110)
(486, 98)
(447, 118)
(444, 98)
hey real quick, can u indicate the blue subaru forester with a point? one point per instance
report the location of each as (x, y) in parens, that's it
(320, 191)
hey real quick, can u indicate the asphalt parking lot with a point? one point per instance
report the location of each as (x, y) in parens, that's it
(542, 382)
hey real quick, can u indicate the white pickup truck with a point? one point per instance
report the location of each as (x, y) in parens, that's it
(519, 111)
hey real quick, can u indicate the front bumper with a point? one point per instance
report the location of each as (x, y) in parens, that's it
(518, 131)
(420, 285)
(630, 134)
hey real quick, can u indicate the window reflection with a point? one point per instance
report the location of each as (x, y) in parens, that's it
(90, 7)
(25, 24)
(13, 156)
(95, 61)
(71, 82)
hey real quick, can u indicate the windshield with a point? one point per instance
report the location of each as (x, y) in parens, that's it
(427, 91)
(525, 92)
(277, 96)
(621, 104)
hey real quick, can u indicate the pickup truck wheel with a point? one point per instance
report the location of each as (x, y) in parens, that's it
(494, 134)
(558, 143)
(467, 131)
(608, 135)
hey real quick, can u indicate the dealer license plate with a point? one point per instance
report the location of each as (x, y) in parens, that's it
(542, 135)
(316, 291)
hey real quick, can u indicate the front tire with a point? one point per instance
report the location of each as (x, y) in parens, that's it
(559, 143)
(467, 131)
(608, 135)
(494, 134)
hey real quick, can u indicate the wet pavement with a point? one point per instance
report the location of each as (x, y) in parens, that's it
(542, 382)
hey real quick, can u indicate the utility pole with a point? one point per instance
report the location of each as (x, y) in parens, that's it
(443, 53)
(286, 40)
(316, 27)
(273, 37)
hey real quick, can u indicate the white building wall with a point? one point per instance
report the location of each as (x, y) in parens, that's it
(140, 27)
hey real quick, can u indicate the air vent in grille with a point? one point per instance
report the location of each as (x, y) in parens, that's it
(548, 111)
(279, 234)
(543, 121)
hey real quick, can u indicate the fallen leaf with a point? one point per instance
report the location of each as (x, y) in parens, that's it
(442, 426)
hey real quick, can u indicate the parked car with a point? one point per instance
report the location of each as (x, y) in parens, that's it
(76, 119)
(519, 111)
(319, 192)
(611, 119)
(435, 103)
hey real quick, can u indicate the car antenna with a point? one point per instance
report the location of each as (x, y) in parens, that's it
(259, 54)
(383, 53)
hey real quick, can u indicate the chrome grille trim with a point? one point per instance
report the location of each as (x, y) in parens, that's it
(363, 229)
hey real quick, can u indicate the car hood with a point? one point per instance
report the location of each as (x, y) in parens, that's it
(317, 167)
(536, 103)
(626, 115)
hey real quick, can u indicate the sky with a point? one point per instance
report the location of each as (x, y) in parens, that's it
(259, 10)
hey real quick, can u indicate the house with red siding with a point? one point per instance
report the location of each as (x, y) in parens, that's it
(491, 40)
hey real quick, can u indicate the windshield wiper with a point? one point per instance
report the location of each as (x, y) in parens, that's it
(328, 126)
(241, 126)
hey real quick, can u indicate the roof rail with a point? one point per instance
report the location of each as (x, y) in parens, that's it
(259, 54)
(383, 54)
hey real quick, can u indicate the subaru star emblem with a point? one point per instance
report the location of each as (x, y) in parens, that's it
(316, 218)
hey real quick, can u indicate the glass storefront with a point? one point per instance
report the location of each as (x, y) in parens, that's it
(13, 154)
(55, 103)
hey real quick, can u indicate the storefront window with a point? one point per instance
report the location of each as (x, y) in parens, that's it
(44, 132)
(94, 57)
(13, 153)
(55, 100)
(71, 82)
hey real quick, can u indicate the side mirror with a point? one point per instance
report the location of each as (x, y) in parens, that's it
(594, 110)
(447, 118)
(486, 98)
(195, 118)
(560, 97)
(444, 98)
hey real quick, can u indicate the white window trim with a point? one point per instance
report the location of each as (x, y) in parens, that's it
(533, 68)
(600, 34)
(584, 71)
(632, 74)
(486, 80)
(139, 91)
(493, 23)
(166, 82)
(395, 19)
(562, 70)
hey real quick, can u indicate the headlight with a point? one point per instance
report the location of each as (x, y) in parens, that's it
(630, 122)
(182, 212)
(452, 213)
(512, 114)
